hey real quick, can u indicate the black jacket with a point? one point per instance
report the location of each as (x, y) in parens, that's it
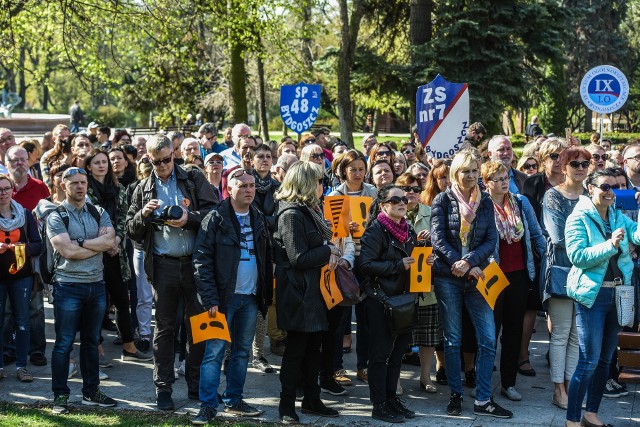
(445, 233)
(300, 253)
(193, 186)
(217, 255)
(533, 188)
(381, 260)
(267, 204)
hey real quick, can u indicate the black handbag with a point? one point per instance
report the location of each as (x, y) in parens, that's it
(348, 285)
(401, 310)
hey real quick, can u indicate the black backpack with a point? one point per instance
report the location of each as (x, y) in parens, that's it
(49, 262)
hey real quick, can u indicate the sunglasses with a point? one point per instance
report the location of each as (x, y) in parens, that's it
(383, 153)
(72, 171)
(576, 164)
(165, 161)
(237, 173)
(528, 166)
(598, 157)
(636, 158)
(608, 187)
(554, 156)
(316, 156)
(409, 188)
(395, 200)
(408, 151)
(310, 141)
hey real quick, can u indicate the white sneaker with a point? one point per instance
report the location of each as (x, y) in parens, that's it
(102, 375)
(181, 369)
(73, 369)
(511, 393)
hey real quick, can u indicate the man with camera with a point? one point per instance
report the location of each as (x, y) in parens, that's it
(233, 273)
(165, 213)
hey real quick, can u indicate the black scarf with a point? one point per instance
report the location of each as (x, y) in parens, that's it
(107, 195)
(262, 184)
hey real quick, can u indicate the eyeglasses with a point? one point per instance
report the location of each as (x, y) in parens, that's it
(73, 171)
(554, 156)
(636, 158)
(576, 164)
(396, 200)
(6, 190)
(408, 151)
(528, 166)
(316, 156)
(608, 187)
(238, 173)
(7, 139)
(503, 179)
(408, 189)
(19, 159)
(597, 157)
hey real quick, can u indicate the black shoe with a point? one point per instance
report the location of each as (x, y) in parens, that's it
(143, 345)
(108, 325)
(164, 401)
(318, 408)
(205, 416)
(397, 405)
(332, 387)
(38, 359)
(242, 409)
(8, 359)
(382, 412)
(441, 376)
(99, 399)
(138, 356)
(262, 365)
(470, 378)
(455, 404)
(288, 414)
(194, 395)
(411, 359)
(492, 409)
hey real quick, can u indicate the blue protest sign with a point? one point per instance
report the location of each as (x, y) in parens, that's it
(604, 89)
(299, 106)
(442, 116)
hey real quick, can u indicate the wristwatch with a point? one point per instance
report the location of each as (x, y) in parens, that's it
(81, 242)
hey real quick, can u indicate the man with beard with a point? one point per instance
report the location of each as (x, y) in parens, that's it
(501, 150)
(28, 192)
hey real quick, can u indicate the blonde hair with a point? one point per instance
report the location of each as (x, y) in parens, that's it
(524, 160)
(308, 150)
(300, 184)
(490, 168)
(460, 160)
(550, 146)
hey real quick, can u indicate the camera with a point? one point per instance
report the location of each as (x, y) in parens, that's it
(168, 213)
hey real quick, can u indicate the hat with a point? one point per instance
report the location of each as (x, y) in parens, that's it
(367, 137)
(93, 125)
(211, 156)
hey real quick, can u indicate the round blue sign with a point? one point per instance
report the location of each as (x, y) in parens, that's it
(604, 89)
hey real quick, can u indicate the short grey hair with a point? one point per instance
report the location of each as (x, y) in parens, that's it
(235, 132)
(158, 142)
(286, 160)
(13, 149)
(495, 139)
(175, 135)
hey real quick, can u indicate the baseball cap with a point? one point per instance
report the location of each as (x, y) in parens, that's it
(93, 125)
(211, 156)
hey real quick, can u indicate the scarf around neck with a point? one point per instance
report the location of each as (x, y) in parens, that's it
(321, 223)
(398, 230)
(107, 195)
(262, 184)
(17, 218)
(508, 220)
(467, 210)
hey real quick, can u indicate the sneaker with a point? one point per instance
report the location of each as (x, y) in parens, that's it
(342, 378)
(611, 390)
(182, 369)
(623, 388)
(441, 376)
(73, 369)
(262, 365)
(397, 405)
(332, 387)
(470, 378)
(102, 375)
(362, 375)
(38, 359)
(164, 401)
(103, 362)
(138, 356)
(99, 399)
(61, 404)
(382, 412)
(492, 409)
(205, 416)
(511, 393)
(23, 375)
(144, 345)
(318, 408)
(242, 409)
(455, 404)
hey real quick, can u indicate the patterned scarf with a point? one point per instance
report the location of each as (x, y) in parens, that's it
(321, 223)
(262, 184)
(398, 230)
(17, 219)
(508, 221)
(467, 210)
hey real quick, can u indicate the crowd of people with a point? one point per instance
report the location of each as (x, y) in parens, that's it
(189, 224)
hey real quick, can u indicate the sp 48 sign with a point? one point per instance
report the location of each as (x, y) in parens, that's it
(442, 115)
(299, 106)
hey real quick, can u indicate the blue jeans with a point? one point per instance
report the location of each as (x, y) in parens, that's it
(241, 314)
(451, 292)
(19, 292)
(77, 306)
(597, 337)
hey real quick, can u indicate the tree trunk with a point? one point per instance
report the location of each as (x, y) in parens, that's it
(420, 33)
(238, 91)
(22, 86)
(262, 101)
(306, 48)
(376, 122)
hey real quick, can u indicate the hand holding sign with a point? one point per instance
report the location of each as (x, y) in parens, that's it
(359, 206)
(420, 271)
(329, 287)
(336, 210)
(205, 327)
(494, 283)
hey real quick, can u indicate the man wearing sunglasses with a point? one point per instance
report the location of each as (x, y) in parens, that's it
(168, 248)
(232, 155)
(209, 139)
(631, 155)
(233, 274)
(501, 150)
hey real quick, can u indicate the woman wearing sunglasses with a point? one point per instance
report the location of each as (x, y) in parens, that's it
(558, 204)
(464, 236)
(381, 151)
(528, 165)
(385, 260)
(518, 231)
(315, 154)
(597, 240)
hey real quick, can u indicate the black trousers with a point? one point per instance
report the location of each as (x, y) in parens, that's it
(118, 292)
(509, 316)
(385, 353)
(332, 343)
(173, 282)
(300, 365)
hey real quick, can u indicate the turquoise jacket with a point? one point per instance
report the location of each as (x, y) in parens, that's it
(589, 251)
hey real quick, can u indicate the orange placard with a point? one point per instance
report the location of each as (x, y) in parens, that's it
(494, 283)
(336, 210)
(420, 270)
(329, 288)
(20, 251)
(359, 206)
(205, 327)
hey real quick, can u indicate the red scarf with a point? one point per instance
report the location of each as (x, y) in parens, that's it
(398, 230)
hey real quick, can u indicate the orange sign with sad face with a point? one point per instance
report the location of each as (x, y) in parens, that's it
(205, 327)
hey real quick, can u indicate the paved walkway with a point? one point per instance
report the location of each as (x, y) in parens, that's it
(131, 384)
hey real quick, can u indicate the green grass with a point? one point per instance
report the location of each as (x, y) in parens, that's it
(13, 415)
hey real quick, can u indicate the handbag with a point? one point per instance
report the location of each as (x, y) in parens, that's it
(400, 310)
(556, 277)
(625, 305)
(348, 285)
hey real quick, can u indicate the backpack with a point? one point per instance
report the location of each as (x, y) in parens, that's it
(48, 261)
